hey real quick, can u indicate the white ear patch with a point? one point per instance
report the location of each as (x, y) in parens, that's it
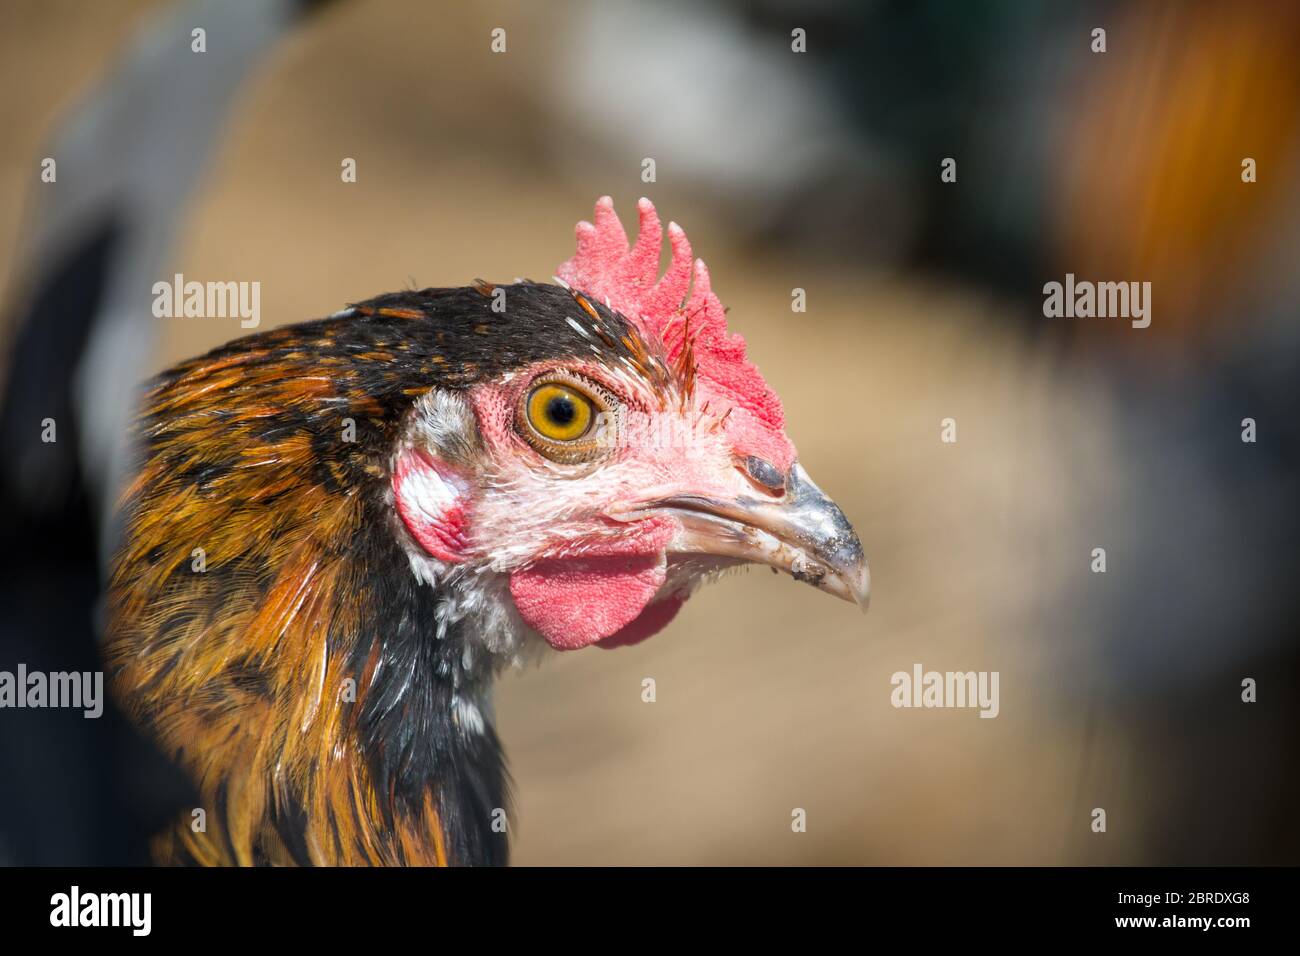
(432, 501)
(430, 491)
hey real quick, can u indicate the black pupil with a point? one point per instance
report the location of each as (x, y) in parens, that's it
(561, 410)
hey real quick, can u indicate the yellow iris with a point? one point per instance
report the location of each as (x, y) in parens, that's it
(558, 412)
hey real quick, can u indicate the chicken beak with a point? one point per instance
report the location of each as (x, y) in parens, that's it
(803, 533)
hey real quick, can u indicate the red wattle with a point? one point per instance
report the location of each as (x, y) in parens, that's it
(573, 602)
(646, 624)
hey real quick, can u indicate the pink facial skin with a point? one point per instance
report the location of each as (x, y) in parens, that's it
(583, 568)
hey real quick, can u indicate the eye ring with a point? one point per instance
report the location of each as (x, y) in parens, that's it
(567, 418)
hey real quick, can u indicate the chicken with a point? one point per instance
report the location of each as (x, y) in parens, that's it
(340, 532)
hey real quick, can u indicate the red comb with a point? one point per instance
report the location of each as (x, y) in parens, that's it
(627, 279)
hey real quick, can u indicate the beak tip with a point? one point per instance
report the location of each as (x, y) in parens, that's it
(862, 589)
(850, 582)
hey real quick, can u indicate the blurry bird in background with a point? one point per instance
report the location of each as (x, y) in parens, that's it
(129, 158)
(342, 531)
(1181, 169)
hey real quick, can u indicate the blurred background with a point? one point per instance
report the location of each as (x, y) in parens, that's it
(818, 171)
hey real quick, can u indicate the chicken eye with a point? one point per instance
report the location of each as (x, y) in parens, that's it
(559, 412)
(568, 418)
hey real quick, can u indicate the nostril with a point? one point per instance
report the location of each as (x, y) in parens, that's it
(764, 473)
